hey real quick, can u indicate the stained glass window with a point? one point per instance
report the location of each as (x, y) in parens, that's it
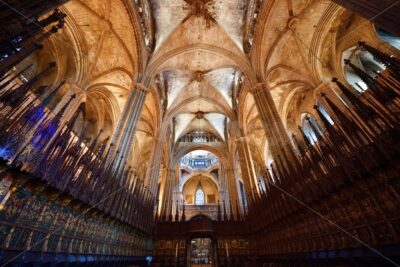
(199, 197)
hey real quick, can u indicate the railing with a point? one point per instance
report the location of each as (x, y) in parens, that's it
(209, 207)
(199, 163)
(199, 138)
(210, 210)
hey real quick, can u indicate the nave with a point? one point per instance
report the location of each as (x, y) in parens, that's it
(199, 133)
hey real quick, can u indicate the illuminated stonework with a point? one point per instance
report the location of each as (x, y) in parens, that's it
(212, 114)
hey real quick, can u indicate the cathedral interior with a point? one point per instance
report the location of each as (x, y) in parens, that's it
(204, 133)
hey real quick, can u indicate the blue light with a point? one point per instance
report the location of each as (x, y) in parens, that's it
(44, 135)
(4, 152)
(36, 115)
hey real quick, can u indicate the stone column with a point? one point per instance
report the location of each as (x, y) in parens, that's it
(247, 168)
(126, 128)
(123, 120)
(385, 13)
(176, 193)
(73, 106)
(153, 173)
(224, 190)
(278, 139)
(168, 193)
(233, 191)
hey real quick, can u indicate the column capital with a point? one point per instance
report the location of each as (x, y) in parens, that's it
(258, 86)
(242, 139)
(140, 86)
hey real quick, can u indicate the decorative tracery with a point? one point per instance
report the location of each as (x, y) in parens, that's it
(200, 197)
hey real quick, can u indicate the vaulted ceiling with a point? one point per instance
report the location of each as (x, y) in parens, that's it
(99, 53)
(199, 59)
(207, 52)
(197, 40)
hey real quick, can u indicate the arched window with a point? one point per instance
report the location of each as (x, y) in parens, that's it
(200, 197)
(308, 125)
(388, 37)
(325, 113)
(363, 60)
